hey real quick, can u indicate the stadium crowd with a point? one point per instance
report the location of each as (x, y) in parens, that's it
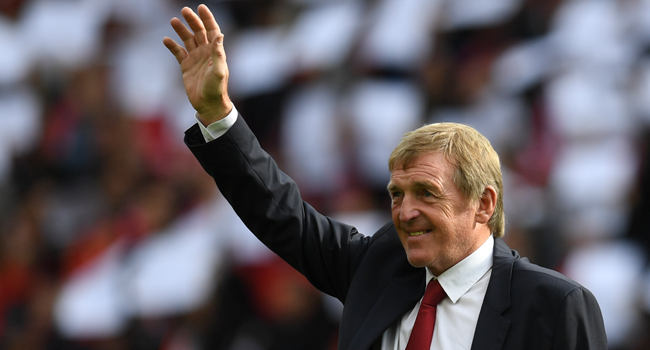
(112, 237)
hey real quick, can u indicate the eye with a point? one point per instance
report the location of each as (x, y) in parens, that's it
(395, 194)
(426, 193)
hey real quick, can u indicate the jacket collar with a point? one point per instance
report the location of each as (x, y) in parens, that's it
(492, 328)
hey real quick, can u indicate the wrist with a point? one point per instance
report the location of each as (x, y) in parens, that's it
(208, 116)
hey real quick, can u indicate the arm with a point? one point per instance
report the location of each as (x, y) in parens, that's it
(269, 203)
(265, 198)
(581, 324)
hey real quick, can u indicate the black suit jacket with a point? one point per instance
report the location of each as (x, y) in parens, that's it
(525, 306)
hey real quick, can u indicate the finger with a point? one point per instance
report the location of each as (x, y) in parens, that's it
(184, 33)
(209, 23)
(195, 23)
(176, 50)
(219, 66)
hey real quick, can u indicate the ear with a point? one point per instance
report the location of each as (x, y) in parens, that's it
(486, 205)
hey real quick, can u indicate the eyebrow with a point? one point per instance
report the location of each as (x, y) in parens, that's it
(418, 184)
(425, 184)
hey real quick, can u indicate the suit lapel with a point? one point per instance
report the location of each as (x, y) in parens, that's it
(384, 288)
(492, 328)
(402, 292)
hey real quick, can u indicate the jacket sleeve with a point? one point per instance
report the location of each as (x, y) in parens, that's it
(269, 203)
(580, 324)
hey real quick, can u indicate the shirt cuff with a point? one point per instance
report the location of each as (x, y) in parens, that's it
(218, 128)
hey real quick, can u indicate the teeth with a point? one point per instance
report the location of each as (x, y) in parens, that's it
(417, 233)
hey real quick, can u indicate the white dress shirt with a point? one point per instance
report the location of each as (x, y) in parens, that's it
(464, 283)
(456, 316)
(218, 128)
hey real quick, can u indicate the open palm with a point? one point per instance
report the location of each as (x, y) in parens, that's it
(203, 63)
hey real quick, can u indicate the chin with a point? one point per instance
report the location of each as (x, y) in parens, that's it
(417, 260)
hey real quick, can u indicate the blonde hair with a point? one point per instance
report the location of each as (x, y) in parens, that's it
(477, 164)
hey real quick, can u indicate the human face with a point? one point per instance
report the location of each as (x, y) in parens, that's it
(436, 225)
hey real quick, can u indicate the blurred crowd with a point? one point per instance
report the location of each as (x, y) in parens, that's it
(113, 237)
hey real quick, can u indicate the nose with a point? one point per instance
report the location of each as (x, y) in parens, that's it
(408, 210)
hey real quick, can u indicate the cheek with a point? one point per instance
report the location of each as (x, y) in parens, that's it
(395, 210)
(442, 210)
(446, 210)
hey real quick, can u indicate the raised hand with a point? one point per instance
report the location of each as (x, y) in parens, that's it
(203, 63)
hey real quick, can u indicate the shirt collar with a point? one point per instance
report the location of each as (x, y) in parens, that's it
(458, 279)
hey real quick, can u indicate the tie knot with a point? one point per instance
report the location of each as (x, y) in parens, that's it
(434, 293)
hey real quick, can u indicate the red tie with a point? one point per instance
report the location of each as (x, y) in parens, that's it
(422, 332)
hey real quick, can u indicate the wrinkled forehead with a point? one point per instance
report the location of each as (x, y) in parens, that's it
(432, 166)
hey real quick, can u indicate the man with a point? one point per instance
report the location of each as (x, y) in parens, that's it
(447, 215)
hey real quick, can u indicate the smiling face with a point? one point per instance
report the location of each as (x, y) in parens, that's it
(436, 225)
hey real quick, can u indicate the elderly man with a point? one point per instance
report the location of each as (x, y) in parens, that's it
(437, 277)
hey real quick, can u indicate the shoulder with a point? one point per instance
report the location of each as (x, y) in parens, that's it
(382, 243)
(386, 232)
(545, 308)
(522, 268)
(533, 282)
(509, 268)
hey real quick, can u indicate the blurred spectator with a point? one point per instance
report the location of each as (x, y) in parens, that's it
(111, 237)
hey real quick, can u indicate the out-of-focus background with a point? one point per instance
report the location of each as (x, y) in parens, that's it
(112, 237)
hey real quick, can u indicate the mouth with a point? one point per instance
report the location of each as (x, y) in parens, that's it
(418, 233)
